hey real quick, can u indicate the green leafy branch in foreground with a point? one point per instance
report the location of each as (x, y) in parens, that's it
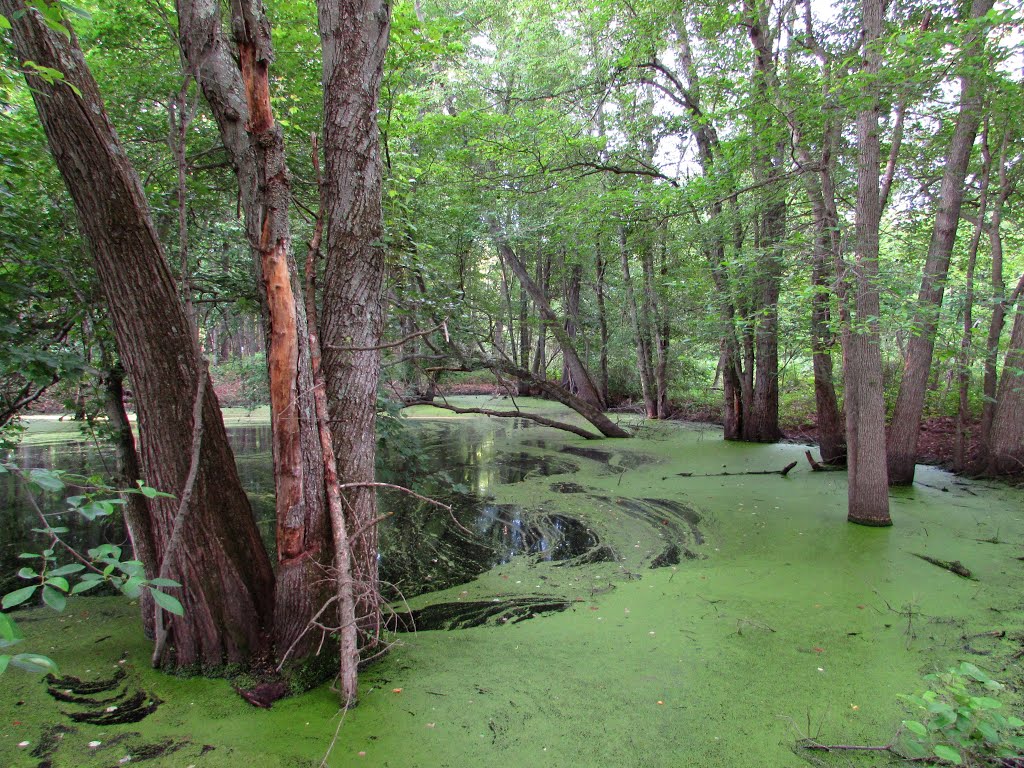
(957, 725)
(52, 580)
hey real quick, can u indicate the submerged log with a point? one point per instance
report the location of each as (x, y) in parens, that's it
(954, 566)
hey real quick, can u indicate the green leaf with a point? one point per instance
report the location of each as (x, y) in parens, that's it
(46, 479)
(948, 753)
(985, 702)
(18, 596)
(1015, 722)
(27, 573)
(9, 632)
(163, 583)
(84, 586)
(167, 602)
(4, 659)
(149, 493)
(4, 24)
(67, 570)
(58, 582)
(915, 727)
(54, 599)
(33, 662)
(132, 587)
(989, 732)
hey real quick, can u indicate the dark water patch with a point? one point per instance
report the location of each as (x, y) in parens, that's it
(476, 613)
(669, 556)
(429, 551)
(50, 739)
(564, 487)
(68, 698)
(134, 708)
(613, 461)
(515, 468)
(673, 521)
(598, 554)
(77, 685)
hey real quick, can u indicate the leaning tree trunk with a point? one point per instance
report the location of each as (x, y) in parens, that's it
(868, 492)
(238, 92)
(586, 388)
(354, 35)
(906, 417)
(227, 591)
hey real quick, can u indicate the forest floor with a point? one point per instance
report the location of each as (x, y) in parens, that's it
(785, 622)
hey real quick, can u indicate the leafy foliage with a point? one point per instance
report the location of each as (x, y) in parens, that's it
(53, 581)
(958, 723)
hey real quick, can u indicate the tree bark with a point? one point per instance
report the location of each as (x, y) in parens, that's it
(906, 418)
(602, 321)
(1006, 445)
(868, 494)
(354, 35)
(227, 591)
(238, 93)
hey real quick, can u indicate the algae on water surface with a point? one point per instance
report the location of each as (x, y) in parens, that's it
(787, 616)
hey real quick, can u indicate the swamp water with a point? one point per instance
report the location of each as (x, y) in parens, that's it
(764, 615)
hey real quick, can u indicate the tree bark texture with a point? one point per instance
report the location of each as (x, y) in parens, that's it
(1006, 445)
(227, 580)
(868, 492)
(354, 35)
(238, 92)
(906, 418)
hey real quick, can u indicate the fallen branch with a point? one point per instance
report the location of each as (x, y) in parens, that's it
(954, 566)
(781, 472)
(817, 467)
(511, 414)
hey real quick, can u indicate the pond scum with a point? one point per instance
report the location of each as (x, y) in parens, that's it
(695, 621)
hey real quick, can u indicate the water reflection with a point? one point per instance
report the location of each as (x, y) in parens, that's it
(423, 548)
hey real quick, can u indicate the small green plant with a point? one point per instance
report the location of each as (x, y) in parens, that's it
(54, 582)
(959, 722)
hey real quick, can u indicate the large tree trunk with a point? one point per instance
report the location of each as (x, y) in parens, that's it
(354, 35)
(656, 308)
(1006, 445)
(906, 417)
(227, 591)
(868, 492)
(238, 93)
(573, 278)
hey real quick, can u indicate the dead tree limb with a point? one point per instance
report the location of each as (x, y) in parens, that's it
(954, 566)
(517, 414)
(781, 472)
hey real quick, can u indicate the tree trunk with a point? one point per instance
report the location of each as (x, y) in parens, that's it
(906, 417)
(868, 494)
(1006, 445)
(998, 319)
(136, 508)
(572, 317)
(354, 35)
(657, 310)
(965, 357)
(581, 377)
(227, 591)
(239, 96)
(641, 339)
(602, 321)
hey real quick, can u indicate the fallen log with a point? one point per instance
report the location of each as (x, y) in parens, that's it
(954, 566)
(517, 414)
(782, 472)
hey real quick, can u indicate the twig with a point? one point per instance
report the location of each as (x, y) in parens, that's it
(392, 344)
